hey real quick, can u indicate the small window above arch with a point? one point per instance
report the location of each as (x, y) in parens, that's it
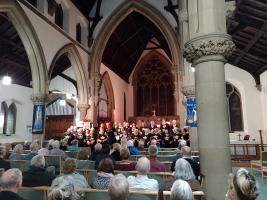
(59, 16)
(78, 33)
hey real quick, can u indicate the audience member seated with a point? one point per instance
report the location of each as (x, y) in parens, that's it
(50, 142)
(62, 188)
(56, 151)
(141, 181)
(37, 175)
(83, 154)
(104, 175)
(186, 154)
(124, 143)
(181, 191)
(96, 151)
(68, 171)
(141, 145)
(132, 149)
(34, 147)
(183, 171)
(155, 164)
(119, 188)
(8, 149)
(3, 164)
(125, 164)
(10, 183)
(74, 146)
(17, 153)
(155, 142)
(44, 151)
(104, 154)
(242, 186)
(26, 145)
(115, 154)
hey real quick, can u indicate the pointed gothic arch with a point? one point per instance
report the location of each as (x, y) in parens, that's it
(112, 22)
(107, 86)
(72, 53)
(30, 42)
(3, 117)
(11, 119)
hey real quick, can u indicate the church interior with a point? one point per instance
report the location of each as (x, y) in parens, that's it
(167, 71)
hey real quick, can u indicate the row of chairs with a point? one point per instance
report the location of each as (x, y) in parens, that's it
(260, 165)
(41, 193)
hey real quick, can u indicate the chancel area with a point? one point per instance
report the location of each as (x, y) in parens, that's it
(133, 99)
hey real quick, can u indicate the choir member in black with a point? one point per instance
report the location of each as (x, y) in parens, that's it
(111, 134)
(80, 136)
(152, 125)
(186, 136)
(167, 138)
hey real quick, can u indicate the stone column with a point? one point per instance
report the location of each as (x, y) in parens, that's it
(83, 110)
(189, 92)
(39, 99)
(207, 49)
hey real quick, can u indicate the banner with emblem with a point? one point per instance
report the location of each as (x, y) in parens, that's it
(38, 118)
(191, 112)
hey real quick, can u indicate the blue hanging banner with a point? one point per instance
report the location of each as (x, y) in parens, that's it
(38, 119)
(191, 112)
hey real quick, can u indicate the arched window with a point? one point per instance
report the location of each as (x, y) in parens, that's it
(3, 117)
(78, 33)
(59, 16)
(103, 114)
(234, 108)
(11, 119)
(154, 89)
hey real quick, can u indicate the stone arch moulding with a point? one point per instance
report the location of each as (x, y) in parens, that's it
(105, 80)
(116, 17)
(79, 71)
(31, 44)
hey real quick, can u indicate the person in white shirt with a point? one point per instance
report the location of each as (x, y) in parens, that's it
(141, 181)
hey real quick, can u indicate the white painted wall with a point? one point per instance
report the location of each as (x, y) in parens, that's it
(119, 87)
(251, 101)
(21, 97)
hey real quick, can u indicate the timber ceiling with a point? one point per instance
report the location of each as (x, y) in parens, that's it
(247, 25)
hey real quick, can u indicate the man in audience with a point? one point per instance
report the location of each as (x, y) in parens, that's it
(10, 183)
(155, 164)
(44, 151)
(3, 164)
(104, 154)
(96, 151)
(56, 151)
(186, 154)
(141, 181)
(34, 147)
(119, 188)
(37, 175)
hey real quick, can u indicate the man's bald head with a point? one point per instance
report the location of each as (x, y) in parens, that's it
(186, 151)
(11, 179)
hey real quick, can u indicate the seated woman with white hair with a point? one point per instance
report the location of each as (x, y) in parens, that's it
(131, 148)
(181, 191)
(17, 153)
(183, 170)
(56, 151)
(242, 186)
(141, 181)
(37, 175)
(119, 188)
(63, 188)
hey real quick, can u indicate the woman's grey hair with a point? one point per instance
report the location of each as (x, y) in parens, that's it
(10, 179)
(18, 149)
(119, 188)
(130, 143)
(38, 161)
(55, 144)
(124, 143)
(98, 147)
(153, 150)
(62, 188)
(181, 191)
(143, 166)
(183, 170)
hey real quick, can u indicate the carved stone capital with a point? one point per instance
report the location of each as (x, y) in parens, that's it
(189, 90)
(40, 98)
(83, 110)
(83, 106)
(208, 45)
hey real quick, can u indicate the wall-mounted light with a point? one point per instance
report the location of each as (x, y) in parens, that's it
(62, 102)
(7, 80)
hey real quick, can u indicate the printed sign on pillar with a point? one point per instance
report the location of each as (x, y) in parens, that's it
(191, 112)
(38, 118)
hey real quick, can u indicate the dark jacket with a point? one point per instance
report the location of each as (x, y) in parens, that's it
(116, 155)
(37, 176)
(7, 195)
(4, 164)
